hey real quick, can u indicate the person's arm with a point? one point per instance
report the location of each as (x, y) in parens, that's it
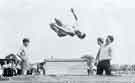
(75, 16)
(98, 55)
(110, 52)
(19, 54)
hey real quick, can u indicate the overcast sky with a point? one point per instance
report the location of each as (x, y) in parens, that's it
(98, 18)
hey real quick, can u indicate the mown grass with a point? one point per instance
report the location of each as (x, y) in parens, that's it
(71, 79)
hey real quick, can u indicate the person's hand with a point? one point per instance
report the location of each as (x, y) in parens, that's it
(71, 10)
(96, 63)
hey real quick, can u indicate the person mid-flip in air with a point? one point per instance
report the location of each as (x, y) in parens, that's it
(63, 30)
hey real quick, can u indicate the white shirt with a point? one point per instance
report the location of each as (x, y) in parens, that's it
(70, 28)
(105, 53)
(24, 55)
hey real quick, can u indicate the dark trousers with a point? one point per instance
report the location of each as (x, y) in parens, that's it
(88, 70)
(19, 71)
(9, 72)
(43, 69)
(103, 65)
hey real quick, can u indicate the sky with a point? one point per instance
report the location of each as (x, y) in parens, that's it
(97, 18)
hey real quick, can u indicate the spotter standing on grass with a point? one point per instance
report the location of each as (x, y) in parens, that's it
(40, 67)
(100, 42)
(23, 54)
(104, 56)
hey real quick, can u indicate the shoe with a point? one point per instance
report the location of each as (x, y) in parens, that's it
(80, 34)
(58, 22)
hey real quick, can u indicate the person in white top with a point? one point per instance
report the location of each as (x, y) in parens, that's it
(63, 30)
(23, 54)
(104, 57)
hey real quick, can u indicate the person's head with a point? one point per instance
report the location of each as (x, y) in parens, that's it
(100, 41)
(26, 42)
(109, 39)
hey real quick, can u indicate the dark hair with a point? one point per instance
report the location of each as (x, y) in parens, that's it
(100, 40)
(58, 22)
(111, 38)
(26, 40)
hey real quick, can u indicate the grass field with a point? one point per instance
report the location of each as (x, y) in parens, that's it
(71, 79)
(77, 73)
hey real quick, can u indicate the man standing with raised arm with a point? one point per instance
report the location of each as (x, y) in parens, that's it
(23, 54)
(104, 57)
